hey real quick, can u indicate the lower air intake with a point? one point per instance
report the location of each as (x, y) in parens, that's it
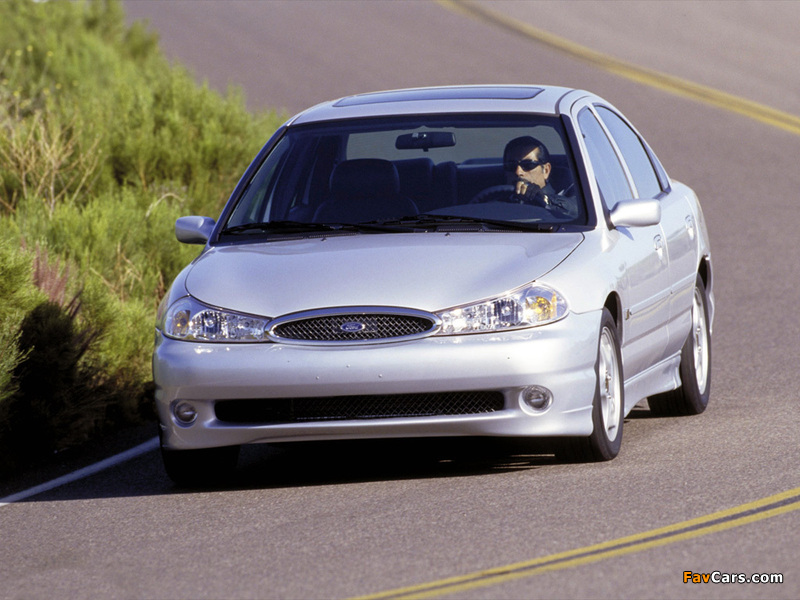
(299, 410)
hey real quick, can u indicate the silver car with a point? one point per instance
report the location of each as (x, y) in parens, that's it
(457, 261)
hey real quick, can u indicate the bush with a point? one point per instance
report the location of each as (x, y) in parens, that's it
(17, 296)
(89, 106)
(103, 144)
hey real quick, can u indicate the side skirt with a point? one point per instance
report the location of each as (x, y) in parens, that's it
(661, 377)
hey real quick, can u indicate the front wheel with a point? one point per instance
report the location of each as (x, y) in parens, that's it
(608, 408)
(691, 398)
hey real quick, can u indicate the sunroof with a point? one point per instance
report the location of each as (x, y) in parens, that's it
(505, 92)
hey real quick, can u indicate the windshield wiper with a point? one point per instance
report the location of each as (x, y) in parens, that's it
(269, 227)
(400, 225)
(428, 220)
(301, 227)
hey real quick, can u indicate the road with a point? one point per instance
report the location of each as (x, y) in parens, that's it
(330, 523)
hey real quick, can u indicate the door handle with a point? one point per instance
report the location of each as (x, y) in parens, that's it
(690, 226)
(658, 242)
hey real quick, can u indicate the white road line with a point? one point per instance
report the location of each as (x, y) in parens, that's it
(147, 446)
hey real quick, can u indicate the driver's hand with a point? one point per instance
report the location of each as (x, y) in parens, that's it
(528, 193)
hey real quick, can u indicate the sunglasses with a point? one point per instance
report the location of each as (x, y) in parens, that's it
(526, 163)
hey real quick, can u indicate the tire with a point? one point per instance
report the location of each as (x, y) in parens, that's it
(608, 407)
(200, 468)
(691, 398)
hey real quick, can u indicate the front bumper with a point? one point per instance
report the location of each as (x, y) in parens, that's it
(560, 356)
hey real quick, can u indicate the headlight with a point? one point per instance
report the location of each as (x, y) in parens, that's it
(530, 305)
(190, 320)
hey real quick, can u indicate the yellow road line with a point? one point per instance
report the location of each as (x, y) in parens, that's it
(737, 516)
(655, 79)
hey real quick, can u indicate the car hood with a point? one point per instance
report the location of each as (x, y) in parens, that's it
(425, 271)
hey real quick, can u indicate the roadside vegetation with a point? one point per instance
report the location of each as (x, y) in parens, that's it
(103, 144)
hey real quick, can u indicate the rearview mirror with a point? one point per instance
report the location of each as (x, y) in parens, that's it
(636, 213)
(194, 230)
(424, 140)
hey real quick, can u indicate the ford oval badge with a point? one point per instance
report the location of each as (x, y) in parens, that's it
(352, 327)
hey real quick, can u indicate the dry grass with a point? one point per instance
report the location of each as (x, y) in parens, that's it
(43, 159)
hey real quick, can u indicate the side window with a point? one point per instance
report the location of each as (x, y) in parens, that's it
(610, 175)
(634, 153)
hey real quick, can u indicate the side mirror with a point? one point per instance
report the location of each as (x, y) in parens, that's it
(194, 230)
(636, 213)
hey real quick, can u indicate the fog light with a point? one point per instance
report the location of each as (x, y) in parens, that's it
(537, 398)
(184, 413)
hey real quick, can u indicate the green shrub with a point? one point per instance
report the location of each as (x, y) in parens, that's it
(17, 296)
(103, 144)
(108, 109)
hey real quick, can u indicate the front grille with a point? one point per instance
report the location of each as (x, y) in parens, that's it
(298, 410)
(353, 327)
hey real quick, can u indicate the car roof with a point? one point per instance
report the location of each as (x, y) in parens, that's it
(539, 99)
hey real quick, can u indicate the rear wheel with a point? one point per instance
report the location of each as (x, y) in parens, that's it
(202, 467)
(608, 408)
(691, 398)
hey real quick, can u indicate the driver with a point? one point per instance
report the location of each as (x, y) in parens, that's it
(526, 163)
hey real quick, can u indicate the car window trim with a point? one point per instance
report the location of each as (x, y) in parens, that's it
(574, 148)
(620, 157)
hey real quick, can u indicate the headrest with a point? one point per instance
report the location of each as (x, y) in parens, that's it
(365, 177)
(416, 176)
(415, 168)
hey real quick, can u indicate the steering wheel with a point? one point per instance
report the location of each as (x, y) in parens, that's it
(507, 193)
(496, 193)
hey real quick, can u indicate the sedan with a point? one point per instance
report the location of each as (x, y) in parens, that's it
(507, 261)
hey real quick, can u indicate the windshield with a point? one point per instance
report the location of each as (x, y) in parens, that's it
(508, 169)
